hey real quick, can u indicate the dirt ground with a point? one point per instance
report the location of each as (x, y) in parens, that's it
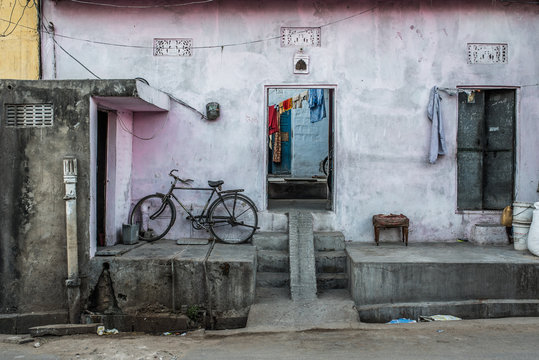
(510, 338)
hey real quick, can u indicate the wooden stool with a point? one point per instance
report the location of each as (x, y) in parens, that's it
(390, 221)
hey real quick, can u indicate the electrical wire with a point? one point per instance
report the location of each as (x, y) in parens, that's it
(15, 3)
(125, 128)
(48, 23)
(141, 6)
(208, 46)
(519, 2)
(181, 102)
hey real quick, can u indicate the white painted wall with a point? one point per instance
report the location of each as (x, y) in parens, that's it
(383, 62)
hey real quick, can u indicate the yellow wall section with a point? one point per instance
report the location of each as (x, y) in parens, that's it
(19, 50)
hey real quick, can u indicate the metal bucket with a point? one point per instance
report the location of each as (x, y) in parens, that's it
(129, 234)
(520, 235)
(522, 212)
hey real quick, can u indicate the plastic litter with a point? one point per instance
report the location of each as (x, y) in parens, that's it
(102, 331)
(438, 318)
(402, 321)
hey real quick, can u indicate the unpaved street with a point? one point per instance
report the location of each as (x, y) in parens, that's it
(516, 338)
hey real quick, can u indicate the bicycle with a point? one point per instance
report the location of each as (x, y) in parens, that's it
(231, 217)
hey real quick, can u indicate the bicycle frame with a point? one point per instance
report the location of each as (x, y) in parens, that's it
(199, 220)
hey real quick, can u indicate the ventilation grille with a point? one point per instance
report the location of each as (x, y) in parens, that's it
(479, 53)
(29, 115)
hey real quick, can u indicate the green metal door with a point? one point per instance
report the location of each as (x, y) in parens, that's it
(485, 149)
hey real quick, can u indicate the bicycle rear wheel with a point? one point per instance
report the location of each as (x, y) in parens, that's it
(233, 218)
(155, 215)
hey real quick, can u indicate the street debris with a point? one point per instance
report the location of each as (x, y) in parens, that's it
(438, 318)
(402, 321)
(168, 333)
(102, 331)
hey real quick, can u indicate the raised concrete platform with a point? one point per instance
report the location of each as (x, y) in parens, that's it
(459, 279)
(164, 277)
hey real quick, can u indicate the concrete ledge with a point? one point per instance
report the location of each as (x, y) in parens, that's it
(408, 278)
(21, 323)
(470, 309)
(328, 241)
(147, 323)
(64, 329)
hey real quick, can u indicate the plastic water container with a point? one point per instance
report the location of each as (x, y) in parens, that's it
(520, 235)
(522, 212)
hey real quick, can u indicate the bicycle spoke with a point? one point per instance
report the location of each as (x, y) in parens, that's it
(154, 215)
(243, 212)
(224, 223)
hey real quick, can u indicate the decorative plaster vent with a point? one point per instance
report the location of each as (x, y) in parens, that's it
(29, 115)
(300, 36)
(301, 63)
(487, 53)
(173, 47)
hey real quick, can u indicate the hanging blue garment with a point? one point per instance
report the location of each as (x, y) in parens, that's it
(437, 135)
(317, 104)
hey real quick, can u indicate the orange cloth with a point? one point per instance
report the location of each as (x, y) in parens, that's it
(277, 142)
(287, 104)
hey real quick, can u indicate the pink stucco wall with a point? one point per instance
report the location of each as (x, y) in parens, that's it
(383, 63)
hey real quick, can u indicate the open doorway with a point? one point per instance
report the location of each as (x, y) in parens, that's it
(101, 176)
(300, 147)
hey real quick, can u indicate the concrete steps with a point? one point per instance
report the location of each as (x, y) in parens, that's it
(273, 267)
(331, 270)
(272, 280)
(273, 259)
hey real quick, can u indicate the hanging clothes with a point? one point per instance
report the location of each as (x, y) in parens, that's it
(296, 102)
(304, 96)
(273, 126)
(317, 104)
(437, 135)
(277, 141)
(287, 104)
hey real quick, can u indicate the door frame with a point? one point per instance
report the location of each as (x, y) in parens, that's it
(517, 150)
(334, 125)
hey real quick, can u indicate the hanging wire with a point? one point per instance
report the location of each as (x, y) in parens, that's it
(205, 46)
(126, 129)
(141, 6)
(15, 3)
(48, 24)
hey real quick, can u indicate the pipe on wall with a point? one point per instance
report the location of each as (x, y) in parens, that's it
(73, 280)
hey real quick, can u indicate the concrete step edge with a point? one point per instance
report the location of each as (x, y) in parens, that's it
(330, 253)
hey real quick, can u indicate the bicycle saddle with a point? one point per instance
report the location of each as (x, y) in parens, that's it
(215, 183)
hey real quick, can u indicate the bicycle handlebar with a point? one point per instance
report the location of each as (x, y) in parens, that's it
(177, 178)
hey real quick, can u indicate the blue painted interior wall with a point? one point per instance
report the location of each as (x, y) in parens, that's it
(309, 140)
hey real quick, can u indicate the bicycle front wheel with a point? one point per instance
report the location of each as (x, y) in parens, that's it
(155, 215)
(233, 218)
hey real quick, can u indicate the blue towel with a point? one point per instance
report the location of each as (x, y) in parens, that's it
(317, 104)
(437, 135)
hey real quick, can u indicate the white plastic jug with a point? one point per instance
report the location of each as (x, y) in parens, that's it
(533, 234)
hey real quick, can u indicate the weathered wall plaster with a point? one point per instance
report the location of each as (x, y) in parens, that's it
(383, 63)
(32, 198)
(19, 44)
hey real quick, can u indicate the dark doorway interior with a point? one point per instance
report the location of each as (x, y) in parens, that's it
(101, 181)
